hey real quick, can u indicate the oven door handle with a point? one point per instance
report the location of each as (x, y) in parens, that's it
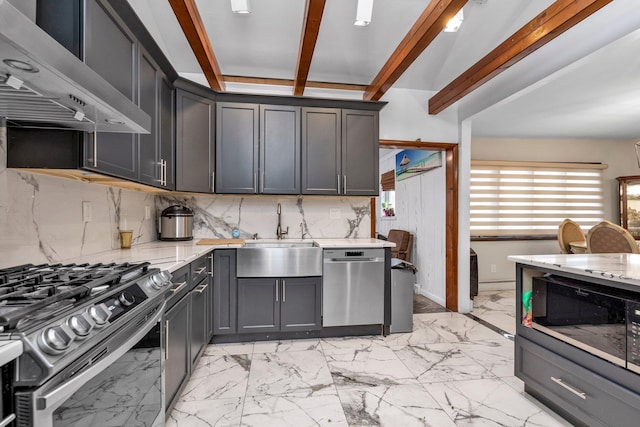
(61, 393)
(7, 420)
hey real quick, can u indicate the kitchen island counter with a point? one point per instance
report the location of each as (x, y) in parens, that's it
(621, 268)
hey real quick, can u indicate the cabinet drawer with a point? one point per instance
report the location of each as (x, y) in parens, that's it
(181, 280)
(199, 270)
(582, 393)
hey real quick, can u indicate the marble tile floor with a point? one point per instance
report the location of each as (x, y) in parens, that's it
(496, 308)
(450, 371)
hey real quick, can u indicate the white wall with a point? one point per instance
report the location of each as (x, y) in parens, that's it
(420, 209)
(618, 155)
(421, 200)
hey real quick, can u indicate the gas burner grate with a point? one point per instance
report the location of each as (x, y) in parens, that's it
(29, 289)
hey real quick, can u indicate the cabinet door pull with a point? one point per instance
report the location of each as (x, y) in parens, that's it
(284, 290)
(277, 290)
(166, 340)
(211, 270)
(200, 270)
(344, 187)
(262, 183)
(95, 149)
(338, 183)
(580, 394)
(255, 182)
(213, 182)
(178, 288)
(200, 289)
(164, 172)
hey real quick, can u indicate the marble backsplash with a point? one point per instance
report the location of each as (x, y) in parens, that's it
(216, 216)
(41, 218)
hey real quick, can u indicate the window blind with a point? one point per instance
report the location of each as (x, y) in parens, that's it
(388, 180)
(526, 198)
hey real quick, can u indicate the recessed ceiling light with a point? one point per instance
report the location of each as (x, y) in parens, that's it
(454, 23)
(363, 13)
(240, 6)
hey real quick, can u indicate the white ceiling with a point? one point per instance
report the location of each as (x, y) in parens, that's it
(594, 97)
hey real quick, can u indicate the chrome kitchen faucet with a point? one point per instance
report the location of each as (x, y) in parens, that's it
(279, 232)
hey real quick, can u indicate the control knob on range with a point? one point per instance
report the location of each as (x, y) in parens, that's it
(100, 314)
(79, 325)
(126, 299)
(159, 280)
(55, 340)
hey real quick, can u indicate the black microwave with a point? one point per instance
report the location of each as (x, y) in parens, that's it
(601, 320)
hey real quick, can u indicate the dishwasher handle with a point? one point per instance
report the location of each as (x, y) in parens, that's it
(339, 260)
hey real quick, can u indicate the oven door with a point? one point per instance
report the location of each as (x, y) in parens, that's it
(119, 383)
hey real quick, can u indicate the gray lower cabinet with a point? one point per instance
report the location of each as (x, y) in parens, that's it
(200, 299)
(279, 304)
(585, 396)
(195, 144)
(178, 361)
(224, 292)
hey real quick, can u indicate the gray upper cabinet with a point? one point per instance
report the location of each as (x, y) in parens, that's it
(195, 146)
(110, 48)
(257, 148)
(321, 150)
(237, 147)
(360, 153)
(279, 149)
(339, 152)
(111, 51)
(156, 149)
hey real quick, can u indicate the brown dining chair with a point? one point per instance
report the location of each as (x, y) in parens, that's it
(607, 237)
(404, 243)
(568, 232)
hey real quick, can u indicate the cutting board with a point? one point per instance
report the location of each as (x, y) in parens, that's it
(220, 242)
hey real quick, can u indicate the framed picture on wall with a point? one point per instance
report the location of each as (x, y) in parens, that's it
(410, 163)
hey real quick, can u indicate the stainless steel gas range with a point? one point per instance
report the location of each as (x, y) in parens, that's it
(93, 344)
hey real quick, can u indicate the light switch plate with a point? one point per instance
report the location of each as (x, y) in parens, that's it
(87, 215)
(147, 212)
(334, 213)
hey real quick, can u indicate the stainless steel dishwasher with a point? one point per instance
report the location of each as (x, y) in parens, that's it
(353, 287)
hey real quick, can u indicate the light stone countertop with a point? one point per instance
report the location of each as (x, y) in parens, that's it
(9, 350)
(167, 255)
(623, 268)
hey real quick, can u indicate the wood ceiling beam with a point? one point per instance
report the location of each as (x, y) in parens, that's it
(288, 82)
(550, 23)
(310, 29)
(430, 23)
(189, 18)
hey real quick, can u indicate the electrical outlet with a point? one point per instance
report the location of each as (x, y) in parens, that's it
(493, 268)
(334, 213)
(147, 212)
(87, 215)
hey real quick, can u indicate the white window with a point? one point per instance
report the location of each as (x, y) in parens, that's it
(525, 198)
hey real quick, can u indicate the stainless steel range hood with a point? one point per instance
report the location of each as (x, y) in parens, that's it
(44, 85)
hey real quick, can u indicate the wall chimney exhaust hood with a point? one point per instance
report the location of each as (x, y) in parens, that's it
(44, 85)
